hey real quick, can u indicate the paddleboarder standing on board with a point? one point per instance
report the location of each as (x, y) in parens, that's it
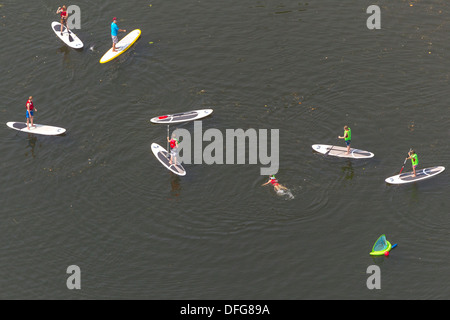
(414, 160)
(347, 137)
(173, 148)
(275, 183)
(64, 16)
(114, 30)
(30, 109)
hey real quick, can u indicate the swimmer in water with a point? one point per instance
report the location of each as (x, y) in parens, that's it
(275, 183)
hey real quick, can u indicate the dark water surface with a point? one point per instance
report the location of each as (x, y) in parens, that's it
(98, 198)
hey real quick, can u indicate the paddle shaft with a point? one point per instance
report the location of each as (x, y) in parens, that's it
(68, 31)
(326, 153)
(168, 151)
(404, 162)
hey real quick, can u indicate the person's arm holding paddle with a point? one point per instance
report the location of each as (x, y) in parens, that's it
(414, 161)
(404, 162)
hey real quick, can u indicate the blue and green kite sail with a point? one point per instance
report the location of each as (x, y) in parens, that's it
(381, 246)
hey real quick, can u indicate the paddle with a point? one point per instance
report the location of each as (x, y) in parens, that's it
(404, 162)
(68, 32)
(326, 153)
(63, 28)
(70, 36)
(168, 151)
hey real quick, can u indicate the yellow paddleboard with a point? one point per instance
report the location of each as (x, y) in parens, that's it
(122, 46)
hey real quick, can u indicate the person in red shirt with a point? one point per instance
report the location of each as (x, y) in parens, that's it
(64, 15)
(30, 109)
(173, 148)
(275, 183)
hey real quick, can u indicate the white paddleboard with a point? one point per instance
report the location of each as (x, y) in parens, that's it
(68, 38)
(37, 129)
(163, 156)
(421, 174)
(123, 45)
(182, 116)
(341, 152)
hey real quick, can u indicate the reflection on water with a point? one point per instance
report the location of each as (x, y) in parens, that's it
(32, 139)
(415, 192)
(348, 171)
(175, 184)
(65, 51)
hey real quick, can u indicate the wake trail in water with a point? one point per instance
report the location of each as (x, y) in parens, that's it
(286, 194)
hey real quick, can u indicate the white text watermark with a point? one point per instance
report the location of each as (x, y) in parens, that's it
(229, 148)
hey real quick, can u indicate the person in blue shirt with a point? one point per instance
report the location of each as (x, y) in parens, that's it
(114, 30)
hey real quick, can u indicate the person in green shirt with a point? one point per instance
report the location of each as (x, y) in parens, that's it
(347, 137)
(414, 160)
